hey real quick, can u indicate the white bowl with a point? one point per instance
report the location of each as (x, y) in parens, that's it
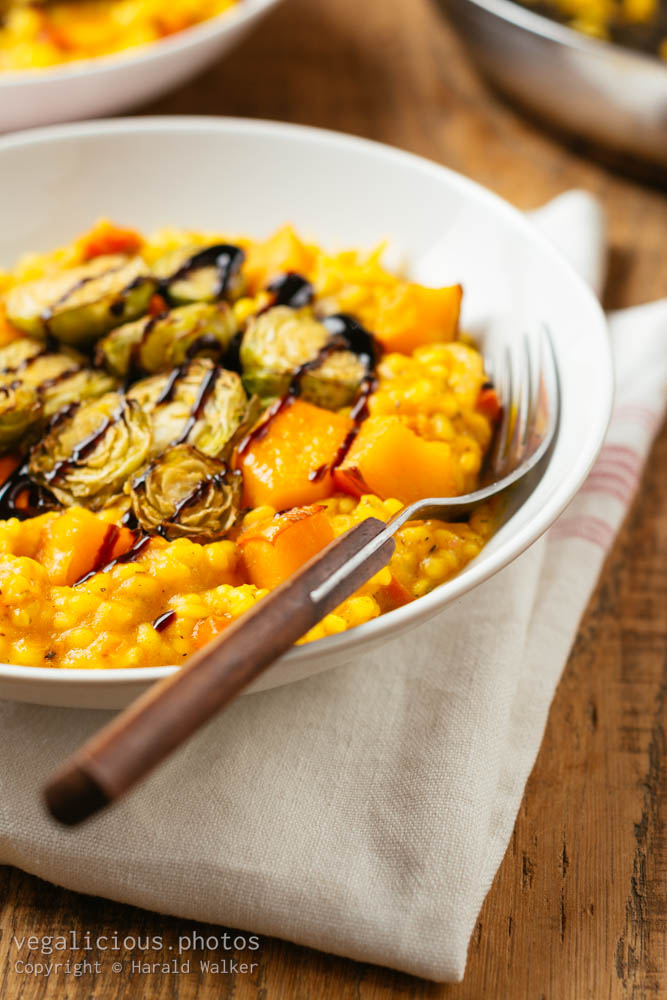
(243, 176)
(113, 83)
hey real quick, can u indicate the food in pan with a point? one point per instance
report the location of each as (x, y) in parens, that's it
(186, 419)
(39, 33)
(639, 24)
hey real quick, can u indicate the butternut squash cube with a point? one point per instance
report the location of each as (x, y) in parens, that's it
(395, 463)
(289, 464)
(272, 550)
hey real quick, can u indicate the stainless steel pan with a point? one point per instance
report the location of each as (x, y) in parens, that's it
(603, 92)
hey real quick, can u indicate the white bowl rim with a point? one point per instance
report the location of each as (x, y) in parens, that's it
(476, 572)
(148, 52)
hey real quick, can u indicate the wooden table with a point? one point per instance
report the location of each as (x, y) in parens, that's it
(579, 907)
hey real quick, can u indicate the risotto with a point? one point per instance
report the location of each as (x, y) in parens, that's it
(34, 35)
(186, 419)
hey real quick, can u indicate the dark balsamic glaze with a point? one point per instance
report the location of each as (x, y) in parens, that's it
(103, 555)
(117, 307)
(359, 413)
(21, 497)
(187, 501)
(129, 556)
(25, 363)
(135, 371)
(63, 413)
(49, 383)
(205, 389)
(206, 342)
(356, 338)
(162, 621)
(317, 475)
(262, 429)
(232, 356)
(224, 257)
(290, 289)
(82, 449)
(169, 387)
(129, 520)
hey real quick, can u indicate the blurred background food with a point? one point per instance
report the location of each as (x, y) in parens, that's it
(591, 68)
(40, 33)
(639, 24)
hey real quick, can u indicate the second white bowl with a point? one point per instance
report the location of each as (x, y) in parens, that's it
(109, 84)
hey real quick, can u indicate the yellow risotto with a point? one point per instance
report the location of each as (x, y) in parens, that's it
(185, 419)
(38, 34)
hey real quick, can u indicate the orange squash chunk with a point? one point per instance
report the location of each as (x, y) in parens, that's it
(107, 238)
(207, 629)
(283, 251)
(395, 463)
(272, 550)
(76, 542)
(413, 315)
(288, 465)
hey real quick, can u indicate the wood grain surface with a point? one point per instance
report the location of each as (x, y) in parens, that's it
(579, 906)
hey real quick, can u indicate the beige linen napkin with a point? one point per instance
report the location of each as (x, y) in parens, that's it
(363, 811)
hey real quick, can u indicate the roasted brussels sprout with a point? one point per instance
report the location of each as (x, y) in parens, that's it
(59, 377)
(91, 450)
(78, 305)
(18, 354)
(199, 404)
(20, 411)
(187, 494)
(201, 274)
(158, 343)
(283, 342)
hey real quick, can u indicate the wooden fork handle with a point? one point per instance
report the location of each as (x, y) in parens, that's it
(169, 713)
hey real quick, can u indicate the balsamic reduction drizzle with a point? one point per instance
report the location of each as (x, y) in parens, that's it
(205, 389)
(129, 520)
(232, 356)
(290, 289)
(162, 621)
(82, 449)
(21, 497)
(135, 371)
(129, 556)
(224, 257)
(168, 389)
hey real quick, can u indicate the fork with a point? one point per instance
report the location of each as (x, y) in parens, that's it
(165, 716)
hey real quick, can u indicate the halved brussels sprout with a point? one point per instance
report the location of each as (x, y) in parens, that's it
(58, 376)
(199, 404)
(72, 386)
(18, 354)
(20, 411)
(282, 343)
(80, 304)
(196, 274)
(91, 450)
(158, 343)
(187, 494)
